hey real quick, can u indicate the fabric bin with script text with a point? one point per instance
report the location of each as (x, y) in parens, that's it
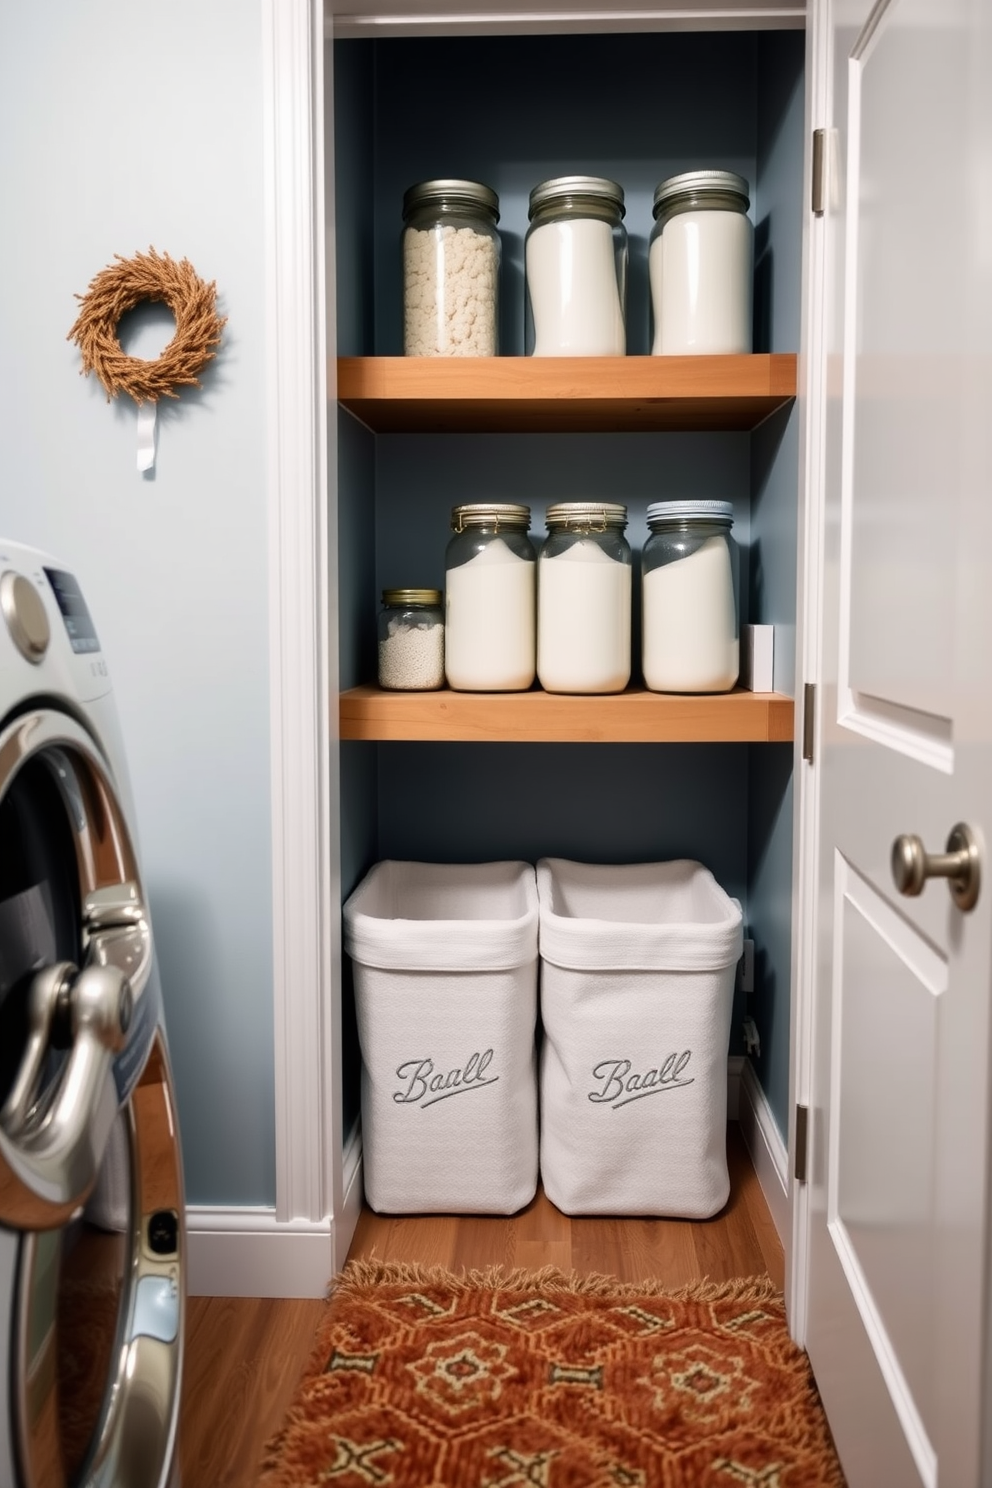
(637, 978)
(445, 964)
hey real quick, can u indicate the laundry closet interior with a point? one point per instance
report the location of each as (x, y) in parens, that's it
(641, 777)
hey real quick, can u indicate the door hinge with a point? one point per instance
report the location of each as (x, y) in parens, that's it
(819, 173)
(809, 720)
(802, 1143)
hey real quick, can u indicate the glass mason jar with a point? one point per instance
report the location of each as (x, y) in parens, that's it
(700, 264)
(584, 598)
(490, 604)
(451, 261)
(411, 640)
(689, 598)
(575, 256)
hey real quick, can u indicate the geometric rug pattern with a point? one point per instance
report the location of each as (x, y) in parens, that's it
(421, 1378)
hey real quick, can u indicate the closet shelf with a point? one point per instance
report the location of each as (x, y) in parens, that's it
(632, 717)
(393, 395)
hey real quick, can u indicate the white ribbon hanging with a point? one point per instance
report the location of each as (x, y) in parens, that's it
(147, 416)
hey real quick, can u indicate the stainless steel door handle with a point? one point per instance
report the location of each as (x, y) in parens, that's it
(959, 863)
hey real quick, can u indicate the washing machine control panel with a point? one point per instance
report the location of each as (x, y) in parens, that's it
(24, 615)
(45, 622)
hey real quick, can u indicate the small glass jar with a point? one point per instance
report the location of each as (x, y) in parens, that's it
(411, 640)
(490, 620)
(583, 599)
(700, 265)
(576, 268)
(451, 262)
(689, 598)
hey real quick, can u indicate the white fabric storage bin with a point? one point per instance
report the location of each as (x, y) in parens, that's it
(445, 964)
(637, 983)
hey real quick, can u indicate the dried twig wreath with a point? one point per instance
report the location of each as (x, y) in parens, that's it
(119, 288)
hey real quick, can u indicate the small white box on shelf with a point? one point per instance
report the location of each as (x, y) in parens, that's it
(637, 982)
(445, 965)
(758, 658)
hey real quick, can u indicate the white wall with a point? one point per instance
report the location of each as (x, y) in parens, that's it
(123, 124)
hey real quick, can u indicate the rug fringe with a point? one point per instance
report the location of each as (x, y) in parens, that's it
(363, 1276)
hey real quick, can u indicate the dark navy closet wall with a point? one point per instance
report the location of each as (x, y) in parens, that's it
(511, 111)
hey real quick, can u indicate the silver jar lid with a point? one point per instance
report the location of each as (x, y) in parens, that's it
(586, 516)
(692, 511)
(606, 191)
(708, 190)
(451, 192)
(490, 514)
(398, 598)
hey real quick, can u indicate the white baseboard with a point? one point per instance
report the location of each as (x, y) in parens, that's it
(247, 1252)
(768, 1152)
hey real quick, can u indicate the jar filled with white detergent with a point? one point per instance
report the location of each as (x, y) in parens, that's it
(451, 262)
(700, 264)
(583, 599)
(411, 640)
(576, 268)
(689, 605)
(490, 599)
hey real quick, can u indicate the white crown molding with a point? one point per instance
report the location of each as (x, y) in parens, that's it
(456, 18)
(307, 1085)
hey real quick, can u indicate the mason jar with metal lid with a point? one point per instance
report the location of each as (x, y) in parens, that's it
(411, 640)
(451, 262)
(700, 264)
(490, 601)
(576, 268)
(689, 598)
(584, 599)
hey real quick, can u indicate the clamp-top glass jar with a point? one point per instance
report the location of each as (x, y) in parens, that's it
(700, 265)
(576, 268)
(411, 640)
(451, 262)
(583, 599)
(490, 621)
(689, 598)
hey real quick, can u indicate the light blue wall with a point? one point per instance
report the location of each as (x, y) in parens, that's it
(124, 124)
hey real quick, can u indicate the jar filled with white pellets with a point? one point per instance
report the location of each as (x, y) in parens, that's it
(689, 599)
(575, 260)
(451, 262)
(411, 640)
(584, 599)
(700, 265)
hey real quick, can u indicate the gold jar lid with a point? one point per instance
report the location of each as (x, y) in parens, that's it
(396, 598)
(490, 514)
(586, 516)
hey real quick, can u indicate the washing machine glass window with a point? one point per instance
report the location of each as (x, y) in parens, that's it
(70, 1330)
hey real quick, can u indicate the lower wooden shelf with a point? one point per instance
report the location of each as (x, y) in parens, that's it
(632, 717)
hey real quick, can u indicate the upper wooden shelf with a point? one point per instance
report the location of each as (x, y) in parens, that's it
(632, 717)
(395, 395)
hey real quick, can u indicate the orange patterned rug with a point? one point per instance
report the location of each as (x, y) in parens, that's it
(423, 1379)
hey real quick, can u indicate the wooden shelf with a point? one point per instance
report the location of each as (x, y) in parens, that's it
(632, 717)
(564, 394)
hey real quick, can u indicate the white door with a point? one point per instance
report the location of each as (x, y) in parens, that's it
(898, 1318)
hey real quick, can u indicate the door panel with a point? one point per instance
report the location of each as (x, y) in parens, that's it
(899, 1103)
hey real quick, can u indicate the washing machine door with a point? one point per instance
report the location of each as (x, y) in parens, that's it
(91, 1213)
(78, 1002)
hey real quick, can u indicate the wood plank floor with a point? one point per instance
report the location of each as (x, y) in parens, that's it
(244, 1356)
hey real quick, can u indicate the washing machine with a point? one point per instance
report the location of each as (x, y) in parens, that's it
(92, 1232)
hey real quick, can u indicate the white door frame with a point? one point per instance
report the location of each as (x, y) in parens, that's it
(293, 1248)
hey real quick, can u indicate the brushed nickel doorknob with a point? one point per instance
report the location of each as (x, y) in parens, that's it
(959, 863)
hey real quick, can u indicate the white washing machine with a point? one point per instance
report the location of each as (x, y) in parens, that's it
(92, 1232)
